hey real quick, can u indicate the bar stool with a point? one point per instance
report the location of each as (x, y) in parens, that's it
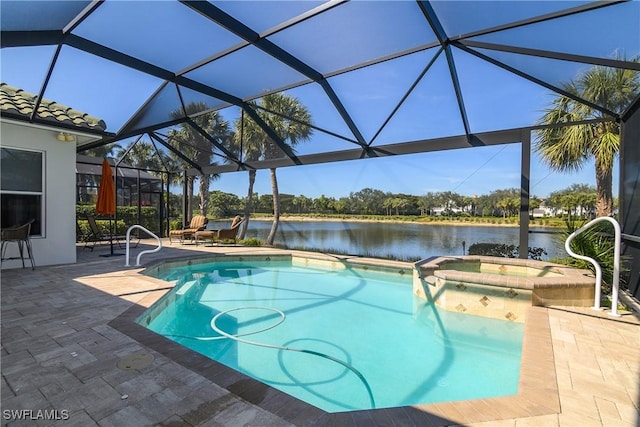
(20, 235)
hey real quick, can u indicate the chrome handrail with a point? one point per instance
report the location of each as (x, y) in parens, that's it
(148, 251)
(616, 262)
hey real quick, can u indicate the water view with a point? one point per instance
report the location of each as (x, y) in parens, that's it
(400, 240)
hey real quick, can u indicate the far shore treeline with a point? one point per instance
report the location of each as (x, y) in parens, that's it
(578, 199)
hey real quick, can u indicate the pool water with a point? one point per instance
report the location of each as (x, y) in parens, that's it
(342, 339)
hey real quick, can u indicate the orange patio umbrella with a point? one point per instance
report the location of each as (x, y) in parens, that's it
(106, 203)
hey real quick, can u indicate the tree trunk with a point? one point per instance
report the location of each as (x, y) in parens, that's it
(204, 194)
(276, 208)
(604, 182)
(189, 199)
(248, 204)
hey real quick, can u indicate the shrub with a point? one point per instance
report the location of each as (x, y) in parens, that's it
(494, 249)
(597, 243)
(127, 216)
(252, 241)
(536, 253)
(504, 250)
(175, 224)
(103, 226)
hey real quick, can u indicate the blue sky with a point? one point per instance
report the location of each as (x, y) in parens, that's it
(472, 171)
(465, 171)
(494, 98)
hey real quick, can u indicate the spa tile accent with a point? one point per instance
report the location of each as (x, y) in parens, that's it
(498, 280)
(461, 308)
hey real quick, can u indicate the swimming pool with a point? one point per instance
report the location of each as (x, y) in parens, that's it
(340, 337)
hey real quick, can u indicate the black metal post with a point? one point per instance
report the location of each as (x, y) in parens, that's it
(525, 182)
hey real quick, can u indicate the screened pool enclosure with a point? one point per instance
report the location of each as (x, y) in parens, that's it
(376, 78)
(138, 193)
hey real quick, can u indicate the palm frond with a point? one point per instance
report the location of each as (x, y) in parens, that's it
(605, 149)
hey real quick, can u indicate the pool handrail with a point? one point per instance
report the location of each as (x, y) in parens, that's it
(616, 263)
(148, 251)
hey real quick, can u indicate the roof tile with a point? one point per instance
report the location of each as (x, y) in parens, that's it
(16, 101)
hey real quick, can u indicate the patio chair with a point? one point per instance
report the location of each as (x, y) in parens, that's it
(96, 236)
(223, 234)
(20, 235)
(198, 223)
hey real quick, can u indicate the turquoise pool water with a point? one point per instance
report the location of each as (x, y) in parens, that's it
(338, 339)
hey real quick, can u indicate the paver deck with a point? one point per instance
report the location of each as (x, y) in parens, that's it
(70, 351)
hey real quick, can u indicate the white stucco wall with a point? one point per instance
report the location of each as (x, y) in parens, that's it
(58, 243)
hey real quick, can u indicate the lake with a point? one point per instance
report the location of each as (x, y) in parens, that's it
(400, 240)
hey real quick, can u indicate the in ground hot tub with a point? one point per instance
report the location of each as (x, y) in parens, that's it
(500, 287)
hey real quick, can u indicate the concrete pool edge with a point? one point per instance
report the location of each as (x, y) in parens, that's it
(294, 256)
(537, 391)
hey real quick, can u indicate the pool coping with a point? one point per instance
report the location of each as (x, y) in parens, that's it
(568, 276)
(537, 389)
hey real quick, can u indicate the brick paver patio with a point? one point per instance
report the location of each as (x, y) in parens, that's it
(69, 352)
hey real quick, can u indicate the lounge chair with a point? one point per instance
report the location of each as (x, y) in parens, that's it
(20, 235)
(96, 236)
(198, 223)
(221, 235)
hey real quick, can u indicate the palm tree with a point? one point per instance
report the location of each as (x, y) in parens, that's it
(290, 124)
(143, 156)
(197, 147)
(567, 148)
(102, 151)
(250, 151)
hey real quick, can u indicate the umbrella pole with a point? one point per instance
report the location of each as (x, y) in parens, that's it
(111, 253)
(110, 235)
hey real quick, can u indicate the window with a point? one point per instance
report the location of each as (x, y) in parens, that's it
(22, 188)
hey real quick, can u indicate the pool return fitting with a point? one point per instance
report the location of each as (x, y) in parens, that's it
(616, 263)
